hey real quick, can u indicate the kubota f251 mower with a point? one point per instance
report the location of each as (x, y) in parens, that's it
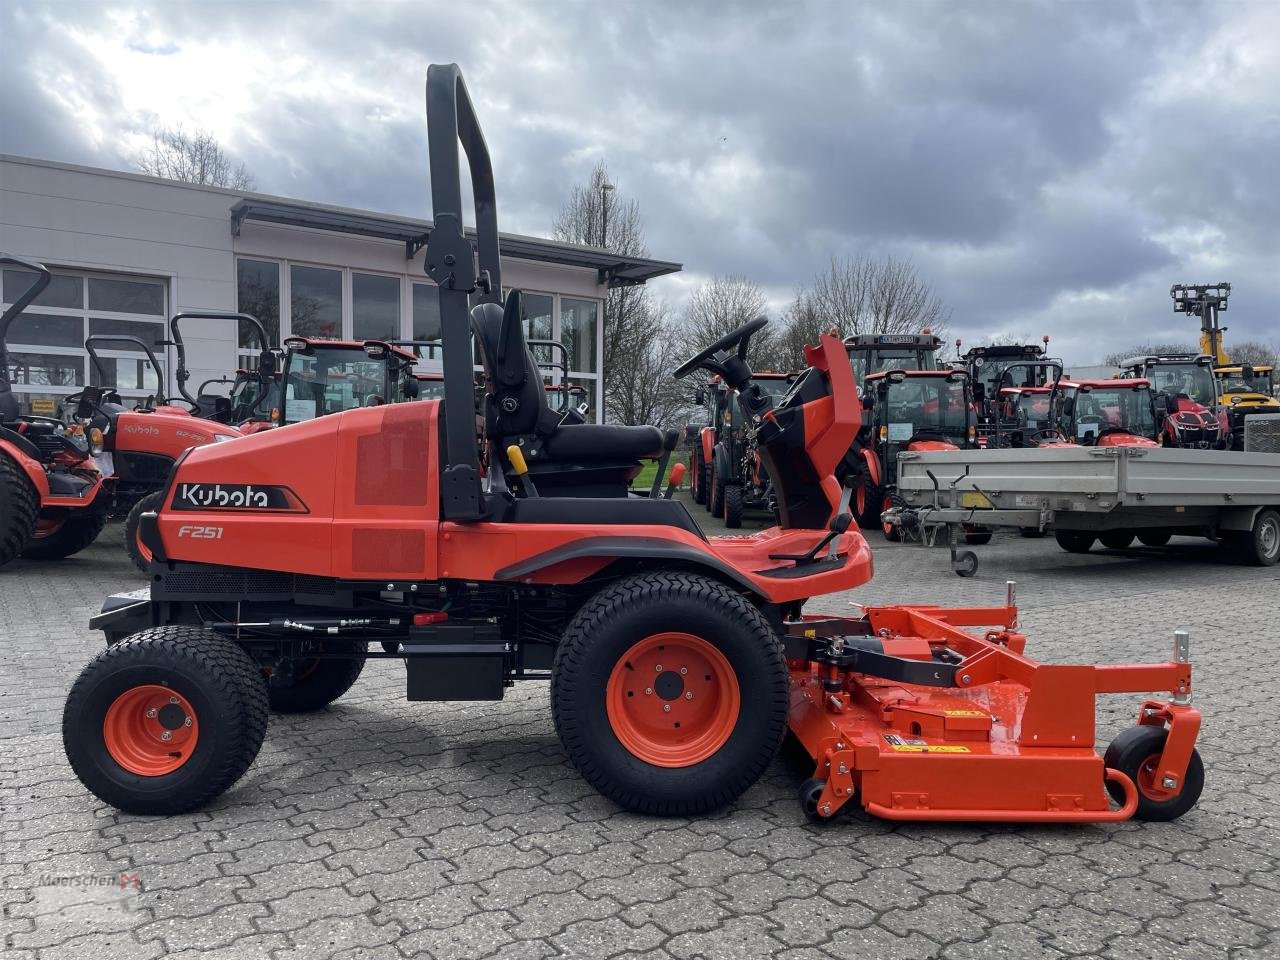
(676, 662)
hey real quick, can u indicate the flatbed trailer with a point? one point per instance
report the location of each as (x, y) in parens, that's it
(1086, 493)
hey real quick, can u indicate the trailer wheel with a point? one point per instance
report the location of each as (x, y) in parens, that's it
(977, 537)
(669, 693)
(698, 479)
(70, 536)
(733, 506)
(1074, 541)
(1135, 753)
(139, 552)
(1259, 547)
(1153, 538)
(165, 720)
(810, 795)
(302, 685)
(715, 493)
(1031, 533)
(1116, 539)
(19, 504)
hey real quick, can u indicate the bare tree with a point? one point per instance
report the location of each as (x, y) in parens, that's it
(193, 158)
(1148, 350)
(643, 389)
(1253, 352)
(721, 305)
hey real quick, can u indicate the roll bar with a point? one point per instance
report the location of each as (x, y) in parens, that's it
(9, 405)
(181, 375)
(452, 264)
(99, 338)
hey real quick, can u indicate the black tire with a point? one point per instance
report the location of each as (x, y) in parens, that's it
(706, 485)
(1074, 541)
(698, 475)
(76, 533)
(606, 629)
(715, 493)
(869, 517)
(220, 681)
(892, 533)
(1153, 538)
(1259, 547)
(1031, 533)
(306, 685)
(733, 506)
(1130, 751)
(810, 794)
(19, 504)
(137, 552)
(1116, 539)
(978, 538)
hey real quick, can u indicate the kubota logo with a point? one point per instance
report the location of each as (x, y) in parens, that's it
(235, 497)
(148, 431)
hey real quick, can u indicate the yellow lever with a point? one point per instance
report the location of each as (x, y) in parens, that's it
(516, 456)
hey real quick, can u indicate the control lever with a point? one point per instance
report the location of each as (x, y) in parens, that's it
(669, 442)
(676, 478)
(516, 456)
(841, 522)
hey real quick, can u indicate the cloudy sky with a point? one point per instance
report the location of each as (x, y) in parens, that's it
(1048, 167)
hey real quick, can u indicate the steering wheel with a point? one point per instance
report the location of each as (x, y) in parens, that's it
(1047, 435)
(740, 337)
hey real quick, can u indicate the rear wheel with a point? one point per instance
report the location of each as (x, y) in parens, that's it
(1260, 546)
(892, 532)
(1074, 541)
(715, 493)
(19, 504)
(698, 476)
(669, 693)
(305, 684)
(63, 539)
(139, 552)
(977, 537)
(1136, 753)
(733, 506)
(868, 502)
(1116, 539)
(166, 720)
(1153, 538)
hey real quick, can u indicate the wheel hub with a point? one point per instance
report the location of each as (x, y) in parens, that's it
(150, 730)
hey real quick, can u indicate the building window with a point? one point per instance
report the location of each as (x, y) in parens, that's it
(578, 333)
(47, 357)
(375, 307)
(258, 294)
(315, 302)
(426, 312)
(539, 324)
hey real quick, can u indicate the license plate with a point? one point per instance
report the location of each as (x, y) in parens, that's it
(974, 499)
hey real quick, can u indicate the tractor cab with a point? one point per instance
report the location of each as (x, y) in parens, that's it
(1186, 398)
(1105, 413)
(871, 353)
(1245, 390)
(993, 368)
(920, 410)
(321, 377)
(1027, 418)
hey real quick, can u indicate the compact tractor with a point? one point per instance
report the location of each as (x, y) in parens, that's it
(994, 369)
(877, 352)
(1243, 389)
(1186, 397)
(676, 662)
(54, 498)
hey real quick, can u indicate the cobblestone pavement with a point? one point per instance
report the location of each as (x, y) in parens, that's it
(384, 828)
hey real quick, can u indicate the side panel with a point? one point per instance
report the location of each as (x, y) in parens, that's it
(167, 434)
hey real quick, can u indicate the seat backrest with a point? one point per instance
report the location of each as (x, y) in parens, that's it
(516, 399)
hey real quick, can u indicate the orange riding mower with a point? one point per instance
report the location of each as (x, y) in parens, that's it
(676, 662)
(53, 496)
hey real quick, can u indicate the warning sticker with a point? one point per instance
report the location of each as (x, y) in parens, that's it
(907, 745)
(965, 713)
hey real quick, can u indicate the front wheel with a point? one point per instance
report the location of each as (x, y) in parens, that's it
(715, 493)
(63, 539)
(165, 720)
(139, 552)
(1136, 753)
(698, 477)
(669, 693)
(1074, 541)
(733, 506)
(19, 504)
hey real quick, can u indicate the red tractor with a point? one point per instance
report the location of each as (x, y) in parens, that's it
(994, 369)
(1104, 413)
(54, 498)
(676, 662)
(1186, 397)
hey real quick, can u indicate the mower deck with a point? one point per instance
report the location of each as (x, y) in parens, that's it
(921, 720)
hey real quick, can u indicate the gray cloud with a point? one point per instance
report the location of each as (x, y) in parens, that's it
(1048, 166)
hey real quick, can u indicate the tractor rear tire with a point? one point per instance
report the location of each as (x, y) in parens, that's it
(74, 535)
(868, 503)
(1153, 538)
(892, 532)
(1259, 547)
(314, 684)
(1134, 753)
(1074, 541)
(1116, 539)
(733, 506)
(199, 688)
(715, 493)
(19, 504)
(655, 651)
(698, 476)
(138, 551)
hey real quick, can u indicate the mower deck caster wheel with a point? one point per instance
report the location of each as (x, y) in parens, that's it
(1136, 753)
(810, 796)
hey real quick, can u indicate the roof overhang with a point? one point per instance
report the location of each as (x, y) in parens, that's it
(611, 269)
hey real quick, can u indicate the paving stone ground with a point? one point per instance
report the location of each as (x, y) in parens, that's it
(381, 828)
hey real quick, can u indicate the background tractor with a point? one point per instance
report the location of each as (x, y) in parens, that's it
(991, 369)
(1186, 399)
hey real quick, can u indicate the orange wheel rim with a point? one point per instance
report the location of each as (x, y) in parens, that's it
(860, 498)
(1148, 781)
(887, 504)
(673, 700)
(150, 730)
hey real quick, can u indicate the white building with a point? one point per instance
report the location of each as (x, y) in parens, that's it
(129, 251)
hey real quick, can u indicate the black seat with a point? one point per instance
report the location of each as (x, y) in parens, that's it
(517, 406)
